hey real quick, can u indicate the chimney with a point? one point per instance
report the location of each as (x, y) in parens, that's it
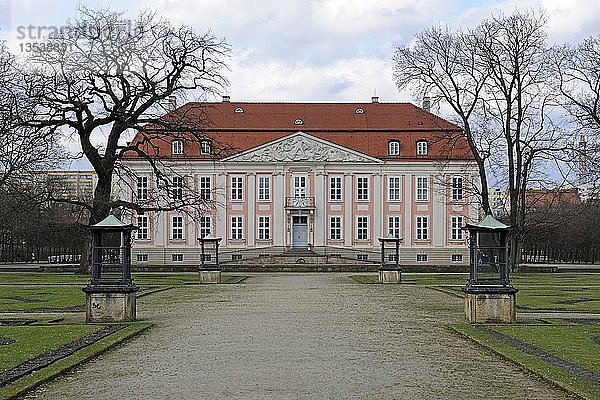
(427, 104)
(172, 103)
(226, 99)
(375, 99)
(582, 160)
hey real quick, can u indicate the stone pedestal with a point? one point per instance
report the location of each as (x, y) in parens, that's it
(490, 304)
(210, 276)
(389, 275)
(110, 303)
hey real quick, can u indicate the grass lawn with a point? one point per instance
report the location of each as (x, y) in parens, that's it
(568, 342)
(58, 335)
(553, 292)
(31, 341)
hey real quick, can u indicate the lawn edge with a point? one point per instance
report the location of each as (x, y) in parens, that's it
(31, 381)
(456, 329)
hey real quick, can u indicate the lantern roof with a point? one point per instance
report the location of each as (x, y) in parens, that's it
(210, 238)
(112, 223)
(488, 223)
(390, 238)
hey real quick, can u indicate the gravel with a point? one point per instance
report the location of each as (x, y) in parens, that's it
(299, 336)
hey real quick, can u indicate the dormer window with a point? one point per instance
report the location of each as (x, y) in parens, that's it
(298, 121)
(238, 110)
(177, 147)
(205, 147)
(422, 148)
(359, 111)
(393, 148)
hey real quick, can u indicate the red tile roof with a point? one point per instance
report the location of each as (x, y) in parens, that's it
(363, 127)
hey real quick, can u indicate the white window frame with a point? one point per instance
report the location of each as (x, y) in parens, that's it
(335, 227)
(362, 228)
(395, 190)
(143, 187)
(236, 229)
(205, 187)
(176, 191)
(300, 186)
(456, 222)
(237, 188)
(362, 188)
(394, 226)
(264, 188)
(263, 228)
(422, 228)
(422, 148)
(204, 225)
(177, 257)
(177, 227)
(141, 257)
(143, 230)
(336, 188)
(457, 258)
(422, 183)
(393, 148)
(458, 183)
(205, 147)
(177, 147)
(422, 258)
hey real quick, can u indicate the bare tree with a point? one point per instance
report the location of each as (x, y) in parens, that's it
(496, 79)
(22, 148)
(107, 76)
(578, 79)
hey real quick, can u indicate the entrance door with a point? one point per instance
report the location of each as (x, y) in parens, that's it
(300, 232)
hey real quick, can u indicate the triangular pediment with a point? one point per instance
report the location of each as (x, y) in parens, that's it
(302, 147)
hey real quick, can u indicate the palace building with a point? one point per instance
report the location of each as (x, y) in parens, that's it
(324, 177)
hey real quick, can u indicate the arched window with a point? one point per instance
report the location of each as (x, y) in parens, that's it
(177, 146)
(393, 148)
(359, 111)
(205, 147)
(422, 148)
(298, 121)
(238, 110)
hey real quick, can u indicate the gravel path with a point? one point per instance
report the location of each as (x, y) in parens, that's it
(298, 336)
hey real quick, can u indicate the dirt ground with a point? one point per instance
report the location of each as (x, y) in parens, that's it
(298, 336)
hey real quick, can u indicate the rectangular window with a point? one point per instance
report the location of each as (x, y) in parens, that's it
(177, 257)
(394, 226)
(205, 223)
(422, 228)
(457, 188)
(177, 188)
(335, 228)
(421, 257)
(142, 223)
(177, 146)
(362, 257)
(205, 187)
(236, 257)
(237, 188)
(264, 188)
(177, 227)
(457, 257)
(362, 228)
(456, 223)
(394, 188)
(335, 188)
(362, 188)
(422, 188)
(142, 188)
(142, 257)
(237, 228)
(264, 228)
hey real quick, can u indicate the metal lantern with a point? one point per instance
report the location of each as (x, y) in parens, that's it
(389, 270)
(489, 294)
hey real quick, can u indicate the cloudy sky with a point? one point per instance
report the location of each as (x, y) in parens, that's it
(319, 50)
